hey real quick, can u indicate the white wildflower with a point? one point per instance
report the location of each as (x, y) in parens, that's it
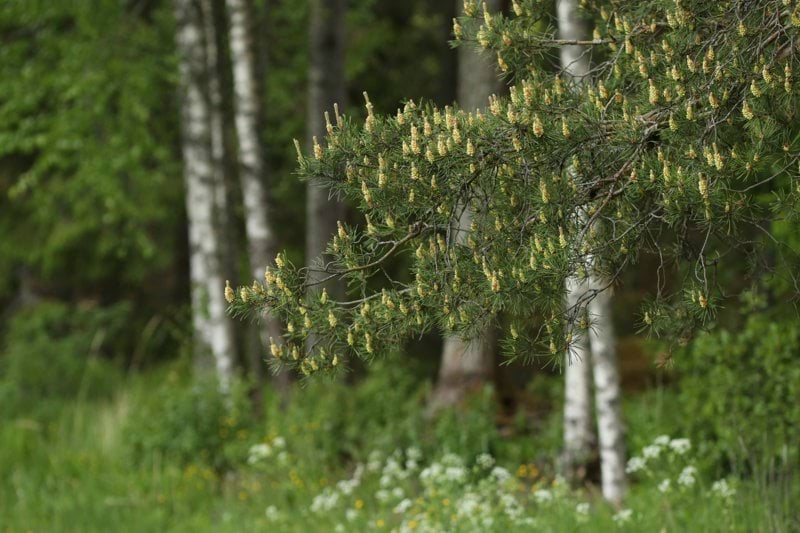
(651, 452)
(723, 489)
(543, 496)
(582, 508)
(397, 492)
(325, 501)
(664, 486)
(346, 486)
(511, 506)
(382, 495)
(451, 459)
(374, 461)
(468, 504)
(500, 474)
(272, 513)
(680, 446)
(413, 453)
(279, 442)
(351, 514)
(403, 506)
(635, 464)
(455, 474)
(662, 440)
(431, 474)
(258, 452)
(623, 516)
(687, 476)
(485, 460)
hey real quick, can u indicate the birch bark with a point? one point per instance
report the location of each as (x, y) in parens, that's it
(608, 398)
(247, 116)
(213, 334)
(578, 436)
(578, 433)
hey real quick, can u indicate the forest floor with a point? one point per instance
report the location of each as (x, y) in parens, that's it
(162, 454)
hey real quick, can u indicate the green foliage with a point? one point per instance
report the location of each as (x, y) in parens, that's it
(189, 421)
(319, 418)
(54, 352)
(391, 48)
(741, 389)
(82, 474)
(667, 146)
(87, 162)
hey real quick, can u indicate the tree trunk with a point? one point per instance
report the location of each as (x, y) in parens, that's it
(578, 432)
(247, 105)
(326, 88)
(577, 409)
(213, 333)
(467, 365)
(608, 397)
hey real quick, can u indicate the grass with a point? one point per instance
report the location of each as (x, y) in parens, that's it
(79, 470)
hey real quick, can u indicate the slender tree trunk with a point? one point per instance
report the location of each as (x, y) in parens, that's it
(224, 219)
(467, 365)
(326, 87)
(578, 436)
(578, 431)
(608, 397)
(212, 329)
(217, 135)
(247, 104)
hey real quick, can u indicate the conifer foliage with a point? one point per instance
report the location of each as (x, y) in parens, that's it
(689, 115)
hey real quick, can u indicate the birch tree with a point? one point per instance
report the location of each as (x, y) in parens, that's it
(467, 364)
(217, 133)
(247, 104)
(593, 354)
(326, 91)
(213, 334)
(578, 433)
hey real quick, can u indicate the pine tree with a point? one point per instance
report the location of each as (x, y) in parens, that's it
(468, 363)
(688, 114)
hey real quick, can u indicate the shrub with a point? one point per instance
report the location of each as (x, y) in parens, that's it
(742, 390)
(53, 351)
(188, 420)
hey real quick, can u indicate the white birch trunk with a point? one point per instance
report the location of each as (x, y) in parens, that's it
(608, 396)
(577, 409)
(260, 237)
(578, 430)
(212, 330)
(578, 433)
(467, 365)
(224, 223)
